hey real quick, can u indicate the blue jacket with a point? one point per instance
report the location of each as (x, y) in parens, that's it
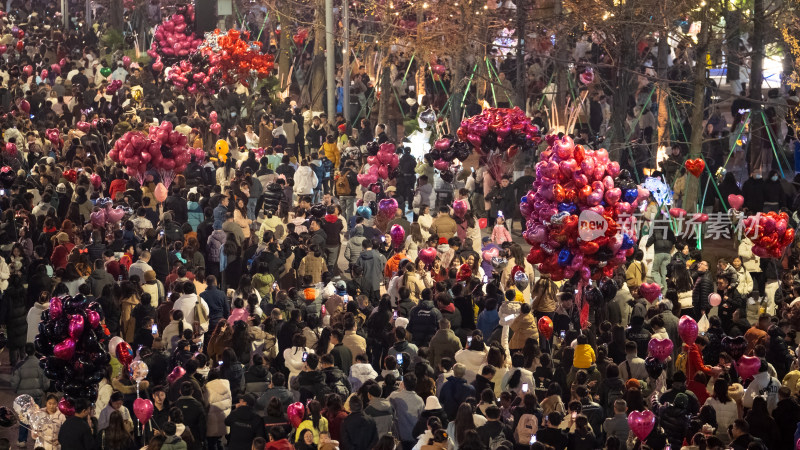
(219, 216)
(218, 307)
(195, 213)
(454, 391)
(488, 321)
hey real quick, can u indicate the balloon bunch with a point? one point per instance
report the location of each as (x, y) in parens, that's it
(113, 87)
(770, 233)
(382, 160)
(573, 212)
(71, 344)
(18, 34)
(30, 415)
(215, 126)
(162, 149)
(497, 134)
(103, 213)
(300, 36)
(443, 154)
(236, 57)
(174, 37)
(195, 75)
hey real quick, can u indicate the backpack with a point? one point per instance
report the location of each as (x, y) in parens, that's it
(681, 361)
(343, 185)
(527, 426)
(200, 314)
(327, 168)
(496, 442)
(614, 395)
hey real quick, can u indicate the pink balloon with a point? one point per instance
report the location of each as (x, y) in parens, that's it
(650, 291)
(687, 329)
(748, 366)
(66, 407)
(94, 318)
(490, 253)
(176, 374)
(143, 408)
(98, 218)
(216, 128)
(115, 215)
(28, 70)
(398, 235)
(126, 61)
(64, 350)
(387, 207)
(56, 308)
(295, 413)
(428, 255)
(84, 126)
(460, 208)
(736, 201)
(212, 116)
(714, 299)
(641, 423)
(661, 349)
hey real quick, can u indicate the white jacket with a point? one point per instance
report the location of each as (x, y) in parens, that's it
(5, 274)
(171, 334)
(34, 317)
(217, 394)
(745, 286)
(473, 360)
(363, 372)
(762, 381)
(186, 303)
(305, 180)
(751, 262)
(293, 360)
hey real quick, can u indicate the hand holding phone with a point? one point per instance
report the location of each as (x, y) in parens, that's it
(305, 356)
(525, 387)
(154, 329)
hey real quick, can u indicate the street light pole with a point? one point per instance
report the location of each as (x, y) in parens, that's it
(330, 60)
(346, 59)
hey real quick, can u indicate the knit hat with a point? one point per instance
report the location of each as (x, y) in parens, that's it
(432, 403)
(401, 322)
(149, 276)
(633, 383)
(681, 400)
(61, 188)
(442, 241)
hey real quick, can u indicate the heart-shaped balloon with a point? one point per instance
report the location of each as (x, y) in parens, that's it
(687, 329)
(98, 218)
(56, 308)
(65, 349)
(143, 409)
(427, 255)
(84, 126)
(700, 218)
(677, 212)
(650, 291)
(736, 201)
(641, 423)
(661, 349)
(295, 412)
(734, 346)
(695, 166)
(115, 215)
(490, 253)
(748, 366)
(94, 318)
(76, 326)
(387, 207)
(66, 407)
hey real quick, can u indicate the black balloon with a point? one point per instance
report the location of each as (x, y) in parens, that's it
(653, 366)
(608, 288)
(447, 176)
(593, 296)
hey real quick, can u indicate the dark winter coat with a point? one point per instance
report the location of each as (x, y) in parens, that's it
(245, 426)
(359, 432)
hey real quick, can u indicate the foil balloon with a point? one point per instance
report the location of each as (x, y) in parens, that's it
(143, 409)
(428, 256)
(687, 329)
(398, 235)
(176, 374)
(545, 325)
(641, 423)
(748, 366)
(661, 349)
(387, 207)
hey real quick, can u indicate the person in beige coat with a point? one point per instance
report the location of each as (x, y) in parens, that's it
(523, 327)
(312, 264)
(418, 280)
(126, 320)
(217, 394)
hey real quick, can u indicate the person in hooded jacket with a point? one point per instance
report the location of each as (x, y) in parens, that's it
(674, 419)
(14, 315)
(424, 320)
(217, 394)
(244, 423)
(778, 353)
(372, 264)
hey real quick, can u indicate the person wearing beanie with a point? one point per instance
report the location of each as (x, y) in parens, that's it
(674, 419)
(432, 409)
(679, 387)
(359, 431)
(762, 385)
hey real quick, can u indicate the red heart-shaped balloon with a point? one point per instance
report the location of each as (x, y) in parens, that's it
(695, 166)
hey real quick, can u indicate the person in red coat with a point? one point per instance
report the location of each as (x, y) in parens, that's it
(62, 247)
(119, 185)
(694, 360)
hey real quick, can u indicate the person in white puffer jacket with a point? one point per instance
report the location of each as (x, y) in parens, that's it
(763, 384)
(217, 394)
(305, 180)
(473, 357)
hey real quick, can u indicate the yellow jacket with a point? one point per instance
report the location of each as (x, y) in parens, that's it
(331, 151)
(584, 356)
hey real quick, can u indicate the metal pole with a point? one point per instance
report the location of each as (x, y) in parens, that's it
(65, 14)
(88, 14)
(330, 60)
(346, 59)
(521, 84)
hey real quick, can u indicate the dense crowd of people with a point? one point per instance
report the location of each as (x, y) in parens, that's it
(272, 278)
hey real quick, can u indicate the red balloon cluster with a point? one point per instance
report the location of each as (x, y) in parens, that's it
(770, 233)
(163, 149)
(174, 38)
(497, 134)
(300, 36)
(575, 210)
(381, 164)
(240, 58)
(194, 77)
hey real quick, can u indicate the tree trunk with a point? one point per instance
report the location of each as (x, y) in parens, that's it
(760, 158)
(663, 93)
(284, 57)
(732, 32)
(558, 107)
(115, 15)
(386, 94)
(317, 76)
(522, 85)
(696, 145)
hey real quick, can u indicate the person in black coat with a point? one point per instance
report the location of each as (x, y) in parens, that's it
(493, 427)
(731, 301)
(194, 414)
(753, 193)
(76, 433)
(244, 423)
(702, 288)
(503, 198)
(14, 315)
(359, 431)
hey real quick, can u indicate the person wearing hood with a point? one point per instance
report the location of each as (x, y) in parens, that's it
(354, 245)
(99, 278)
(217, 394)
(257, 377)
(523, 327)
(401, 345)
(432, 409)
(245, 425)
(35, 316)
(473, 356)
(774, 197)
(675, 419)
(753, 193)
(762, 385)
(305, 180)
(424, 320)
(371, 263)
